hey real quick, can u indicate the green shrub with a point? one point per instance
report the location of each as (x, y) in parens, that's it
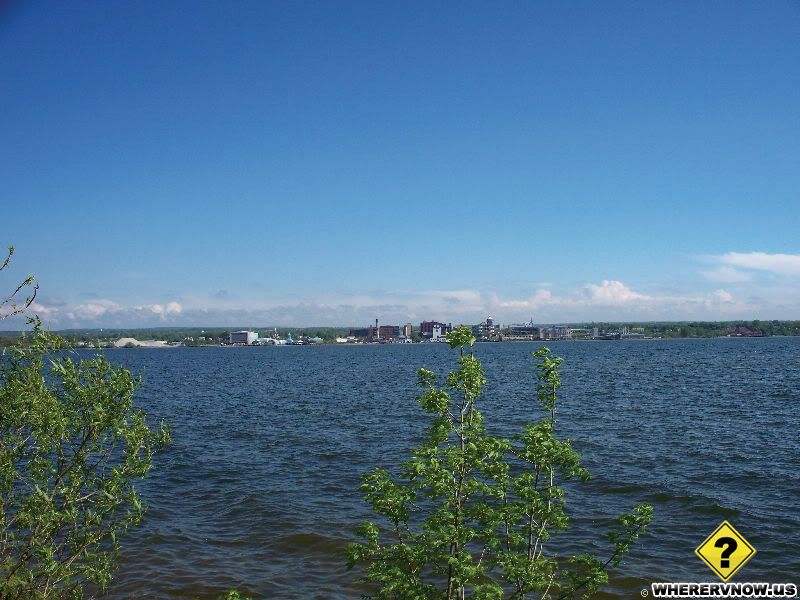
(71, 448)
(469, 514)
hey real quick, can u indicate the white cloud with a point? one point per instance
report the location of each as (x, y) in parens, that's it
(536, 301)
(612, 293)
(779, 264)
(103, 312)
(96, 308)
(607, 300)
(172, 308)
(40, 309)
(723, 296)
(614, 300)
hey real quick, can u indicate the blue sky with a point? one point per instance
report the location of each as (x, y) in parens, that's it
(327, 163)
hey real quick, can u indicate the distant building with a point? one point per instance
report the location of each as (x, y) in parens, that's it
(743, 331)
(485, 330)
(555, 332)
(243, 337)
(377, 333)
(383, 332)
(436, 334)
(408, 330)
(632, 332)
(426, 328)
(528, 330)
(580, 333)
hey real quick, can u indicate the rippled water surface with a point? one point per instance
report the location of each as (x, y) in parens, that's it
(258, 490)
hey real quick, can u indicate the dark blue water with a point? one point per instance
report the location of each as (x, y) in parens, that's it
(258, 490)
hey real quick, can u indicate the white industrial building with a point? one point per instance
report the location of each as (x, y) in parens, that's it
(243, 337)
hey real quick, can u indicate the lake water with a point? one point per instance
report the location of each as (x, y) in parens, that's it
(258, 490)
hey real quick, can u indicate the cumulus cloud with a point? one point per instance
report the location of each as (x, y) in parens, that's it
(612, 293)
(614, 300)
(96, 308)
(607, 300)
(104, 312)
(43, 310)
(172, 308)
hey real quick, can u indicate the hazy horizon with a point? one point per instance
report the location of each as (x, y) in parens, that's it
(267, 328)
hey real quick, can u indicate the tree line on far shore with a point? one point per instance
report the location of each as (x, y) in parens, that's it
(196, 336)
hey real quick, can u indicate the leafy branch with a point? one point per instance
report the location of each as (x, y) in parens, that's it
(470, 513)
(71, 449)
(11, 305)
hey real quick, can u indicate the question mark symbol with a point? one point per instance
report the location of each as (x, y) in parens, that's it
(730, 547)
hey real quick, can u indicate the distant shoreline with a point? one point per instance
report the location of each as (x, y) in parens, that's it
(541, 342)
(172, 337)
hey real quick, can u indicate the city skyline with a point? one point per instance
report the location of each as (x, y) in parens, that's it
(323, 165)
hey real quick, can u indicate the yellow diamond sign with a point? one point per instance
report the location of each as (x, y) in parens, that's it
(725, 551)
